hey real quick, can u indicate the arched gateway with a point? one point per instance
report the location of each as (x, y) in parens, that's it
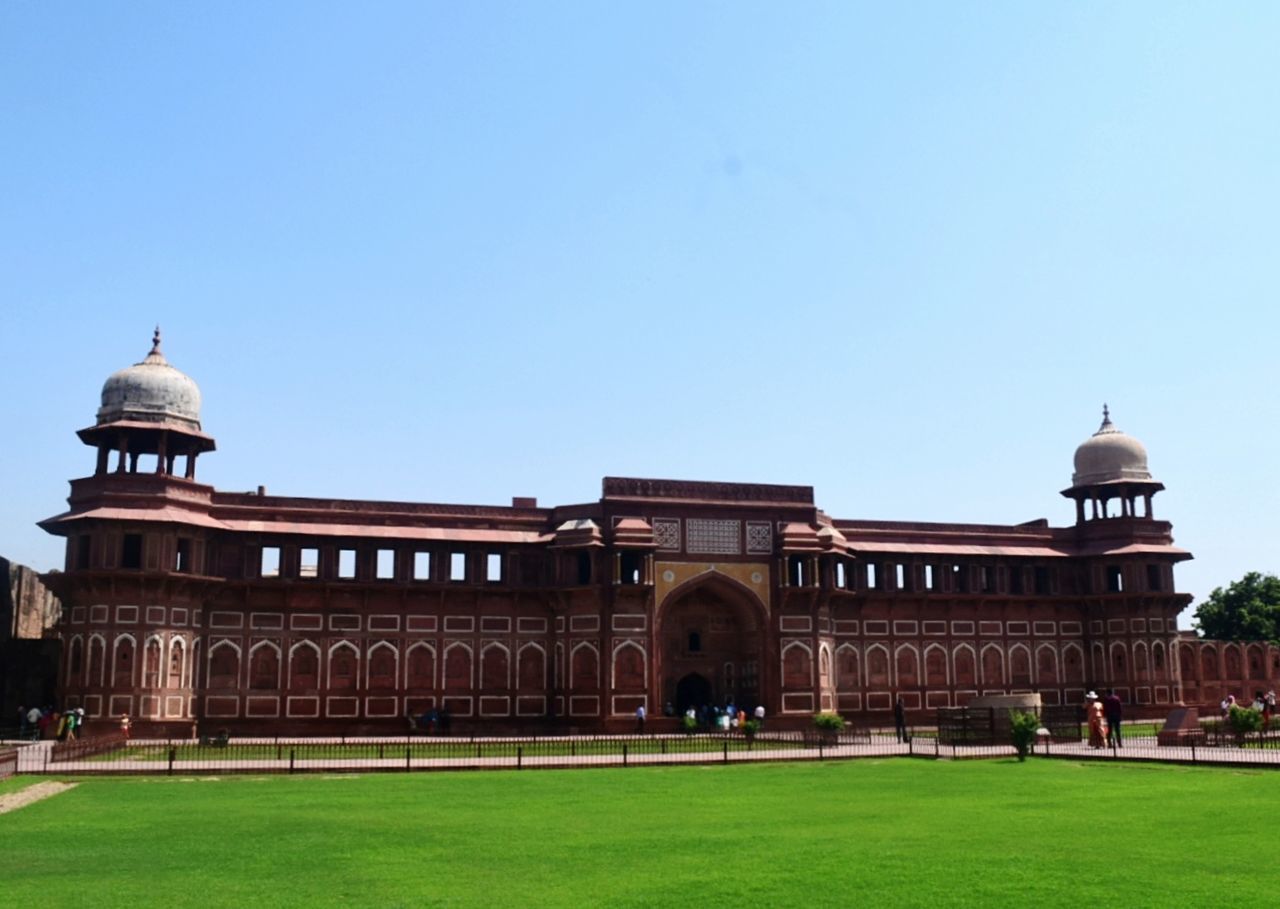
(711, 639)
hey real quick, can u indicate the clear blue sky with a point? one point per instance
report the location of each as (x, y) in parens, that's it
(458, 252)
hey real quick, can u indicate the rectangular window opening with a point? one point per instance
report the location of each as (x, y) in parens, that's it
(840, 574)
(630, 567)
(1041, 580)
(959, 579)
(930, 580)
(584, 568)
(988, 579)
(346, 564)
(493, 567)
(385, 568)
(82, 551)
(422, 566)
(457, 566)
(269, 567)
(131, 551)
(309, 562)
(1015, 579)
(1155, 578)
(901, 579)
(182, 556)
(873, 577)
(1115, 579)
(795, 571)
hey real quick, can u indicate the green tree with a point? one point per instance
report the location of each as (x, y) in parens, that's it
(1247, 610)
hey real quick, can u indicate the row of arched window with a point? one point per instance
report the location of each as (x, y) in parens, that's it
(1215, 661)
(342, 665)
(991, 666)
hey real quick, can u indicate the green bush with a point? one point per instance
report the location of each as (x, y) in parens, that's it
(1022, 729)
(1244, 720)
(750, 728)
(828, 722)
(688, 724)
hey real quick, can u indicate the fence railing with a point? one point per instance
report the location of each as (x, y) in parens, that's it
(113, 754)
(8, 762)
(978, 726)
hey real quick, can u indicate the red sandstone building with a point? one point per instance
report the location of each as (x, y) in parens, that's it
(184, 605)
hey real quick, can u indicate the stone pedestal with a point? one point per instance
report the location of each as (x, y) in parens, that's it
(1181, 728)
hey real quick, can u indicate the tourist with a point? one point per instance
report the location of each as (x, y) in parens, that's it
(22, 721)
(760, 715)
(668, 709)
(1113, 710)
(900, 720)
(640, 720)
(124, 726)
(1097, 721)
(33, 720)
(1268, 709)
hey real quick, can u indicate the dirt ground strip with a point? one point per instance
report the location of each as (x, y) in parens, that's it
(12, 801)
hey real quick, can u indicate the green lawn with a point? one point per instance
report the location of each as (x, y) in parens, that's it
(864, 833)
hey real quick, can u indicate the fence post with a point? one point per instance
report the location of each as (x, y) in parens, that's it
(910, 746)
(172, 753)
(407, 753)
(624, 754)
(519, 756)
(1193, 751)
(726, 751)
(819, 749)
(664, 746)
(291, 760)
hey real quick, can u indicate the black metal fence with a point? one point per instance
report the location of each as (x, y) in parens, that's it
(959, 736)
(8, 762)
(115, 754)
(987, 726)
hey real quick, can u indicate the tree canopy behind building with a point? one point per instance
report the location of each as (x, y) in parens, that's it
(1247, 610)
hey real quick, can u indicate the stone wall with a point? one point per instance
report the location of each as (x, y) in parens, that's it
(28, 609)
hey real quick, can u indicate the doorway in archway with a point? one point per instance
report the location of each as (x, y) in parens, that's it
(713, 634)
(694, 690)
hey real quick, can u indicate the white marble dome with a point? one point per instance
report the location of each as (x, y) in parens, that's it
(1110, 456)
(152, 391)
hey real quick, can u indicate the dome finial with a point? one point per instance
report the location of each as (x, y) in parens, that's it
(155, 341)
(1106, 418)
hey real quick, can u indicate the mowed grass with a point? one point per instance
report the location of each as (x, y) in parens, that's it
(870, 833)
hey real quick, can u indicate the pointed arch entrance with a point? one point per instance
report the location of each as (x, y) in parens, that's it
(711, 635)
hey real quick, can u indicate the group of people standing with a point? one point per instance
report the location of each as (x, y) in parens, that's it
(1263, 703)
(36, 723)
(431, 721)
(1105, 715)
(722, 719)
